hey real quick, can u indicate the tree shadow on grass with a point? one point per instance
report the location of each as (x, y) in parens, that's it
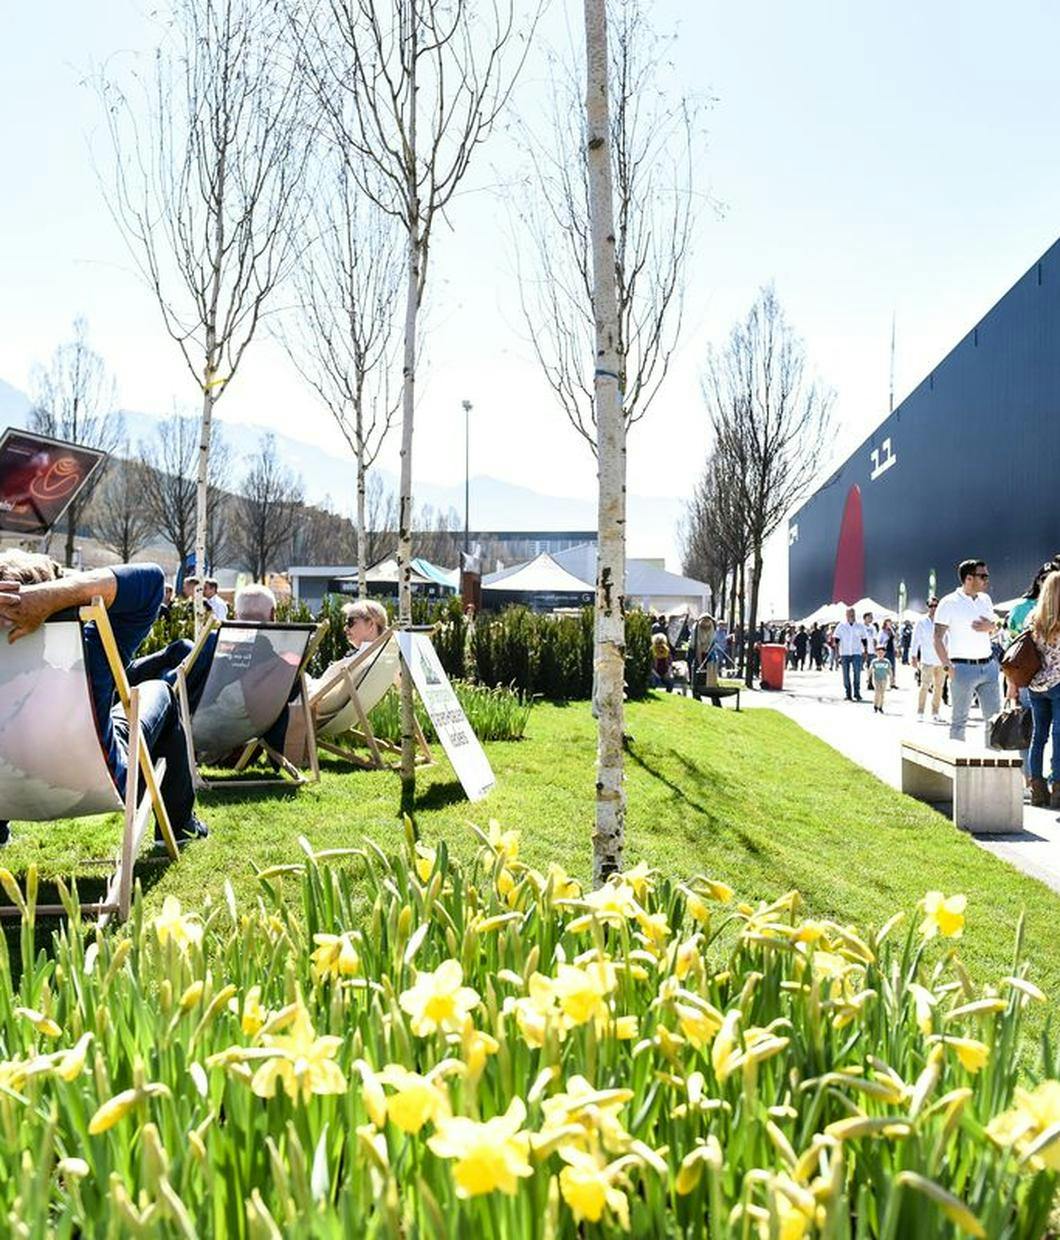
(439, 795)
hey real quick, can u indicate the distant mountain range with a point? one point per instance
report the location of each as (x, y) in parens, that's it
(496, 505)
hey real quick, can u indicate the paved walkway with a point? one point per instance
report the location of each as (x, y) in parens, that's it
(815, 701)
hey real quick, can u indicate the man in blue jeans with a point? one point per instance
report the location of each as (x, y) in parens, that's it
(964, 625)
(34, 587)
(850, 641)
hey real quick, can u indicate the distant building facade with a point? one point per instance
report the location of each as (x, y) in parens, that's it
(967, 465)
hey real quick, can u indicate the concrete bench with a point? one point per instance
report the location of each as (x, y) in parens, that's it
(985, 785)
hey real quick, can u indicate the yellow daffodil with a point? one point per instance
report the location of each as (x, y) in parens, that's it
(416, 1099)
(538, 1011)
(475, 1047)
(924, 1000)
(254, 1015)
(42, 1023)
(115, 1109)
(425, 859)
(687, 958)
(504, 843)
(943, 916)
(698, 1024)
(72, 1062)
(582, 992)
(335, 957)
(698, 908)
(639, 878)
(972, 1053)
(587, 1186)
(593, 1111)
(563, 886)
(1036, 1111)
(173, 926)
(614, 903)
(721, 892)
(489, 1157)
(439, 1000)
(726, 1046)
(301, 1062)
(655, 929)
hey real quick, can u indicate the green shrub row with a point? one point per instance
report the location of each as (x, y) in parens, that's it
(535, 655)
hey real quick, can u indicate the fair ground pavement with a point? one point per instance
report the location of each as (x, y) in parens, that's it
(815, 701)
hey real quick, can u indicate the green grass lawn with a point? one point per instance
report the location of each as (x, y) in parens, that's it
(750, 798)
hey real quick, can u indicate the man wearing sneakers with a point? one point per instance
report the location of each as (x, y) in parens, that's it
(964, 625)
(851, 642)
(924, 657)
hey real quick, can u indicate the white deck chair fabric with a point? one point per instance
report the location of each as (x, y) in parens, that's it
(251, 676)
(335, 711)
(52, 763)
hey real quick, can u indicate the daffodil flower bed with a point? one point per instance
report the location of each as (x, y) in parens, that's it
(501, 1053)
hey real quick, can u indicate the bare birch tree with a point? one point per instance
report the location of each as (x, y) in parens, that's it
(411, 88)
(610, 829)
(76, 399)
(267, 509)
(770, 424)
(172, 455)
(346, 339)
(655, 210)
(119, 514)
(208, 169)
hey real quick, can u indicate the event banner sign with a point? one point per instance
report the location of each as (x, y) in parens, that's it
(458, 740)
(39, 478)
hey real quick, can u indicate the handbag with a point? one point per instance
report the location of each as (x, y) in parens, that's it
(1011, 728)
(1021, 661)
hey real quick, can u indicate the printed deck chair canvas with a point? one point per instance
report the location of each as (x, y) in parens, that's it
(253, 671)
(340, 702)
(52, 763)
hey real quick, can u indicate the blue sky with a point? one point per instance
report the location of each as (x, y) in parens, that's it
(870, 159)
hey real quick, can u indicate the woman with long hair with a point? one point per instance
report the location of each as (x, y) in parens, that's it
(1045, 693)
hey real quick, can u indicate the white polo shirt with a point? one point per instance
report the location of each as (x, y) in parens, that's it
(218, 606)
(957, 611)
(850, 638)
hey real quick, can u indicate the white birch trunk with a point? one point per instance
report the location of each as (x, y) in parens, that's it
(201, 492)
(362, 568)
(408, 409)
(610, 660)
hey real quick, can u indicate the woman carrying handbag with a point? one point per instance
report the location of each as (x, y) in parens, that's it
(1045, 693)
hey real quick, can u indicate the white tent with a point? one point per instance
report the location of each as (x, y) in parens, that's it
(828, 613)
(538, 576)
(912, 615)
(878, 610)
(648, 585)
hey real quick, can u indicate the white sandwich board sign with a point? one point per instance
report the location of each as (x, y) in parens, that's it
(454, 731)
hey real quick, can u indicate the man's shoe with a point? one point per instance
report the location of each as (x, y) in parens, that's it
(1039, 793)
(193, 829)
(5, 834)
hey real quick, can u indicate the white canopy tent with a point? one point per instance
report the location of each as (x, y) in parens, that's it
(542, 575)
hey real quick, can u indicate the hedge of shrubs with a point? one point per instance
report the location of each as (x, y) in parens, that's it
(535, 655)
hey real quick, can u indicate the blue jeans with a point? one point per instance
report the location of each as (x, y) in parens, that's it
(967, 679)
(1045, 709)
(164, 734)
(851, 674)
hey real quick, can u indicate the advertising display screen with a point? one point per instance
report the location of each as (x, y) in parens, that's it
(39, 477)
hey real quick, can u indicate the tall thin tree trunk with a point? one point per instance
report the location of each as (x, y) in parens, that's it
(201, 491)
(362, 568)
(71, 526)
(756, 578)
(609, 835)
(408, 408)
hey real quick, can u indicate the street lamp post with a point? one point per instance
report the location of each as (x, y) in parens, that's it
(467, 476)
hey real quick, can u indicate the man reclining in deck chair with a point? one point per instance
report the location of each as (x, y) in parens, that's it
(33, 587)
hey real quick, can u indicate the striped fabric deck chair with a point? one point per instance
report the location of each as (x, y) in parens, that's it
(254, 669)
(52, 763)
(339, 703)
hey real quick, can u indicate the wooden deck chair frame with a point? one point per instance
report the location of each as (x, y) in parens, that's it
(364, 732)
(290, 775)
(117, 900)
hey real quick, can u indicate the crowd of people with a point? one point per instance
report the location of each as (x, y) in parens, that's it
(34, 587)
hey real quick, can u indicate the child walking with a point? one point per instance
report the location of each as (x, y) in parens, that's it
(880, 670)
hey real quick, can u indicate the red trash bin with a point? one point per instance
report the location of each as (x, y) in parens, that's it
(772, 658)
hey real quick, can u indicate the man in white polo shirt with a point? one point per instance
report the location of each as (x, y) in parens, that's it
(924, 657)
(849, 639)
(964, 624)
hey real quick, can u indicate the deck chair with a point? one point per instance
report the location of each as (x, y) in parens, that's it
(52, 764)
(253, 669)
(339, 704)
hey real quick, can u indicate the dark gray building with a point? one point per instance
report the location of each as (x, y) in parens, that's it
(967, 465)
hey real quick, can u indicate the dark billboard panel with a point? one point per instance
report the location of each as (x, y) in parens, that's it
(967, 465)
(39, 478)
